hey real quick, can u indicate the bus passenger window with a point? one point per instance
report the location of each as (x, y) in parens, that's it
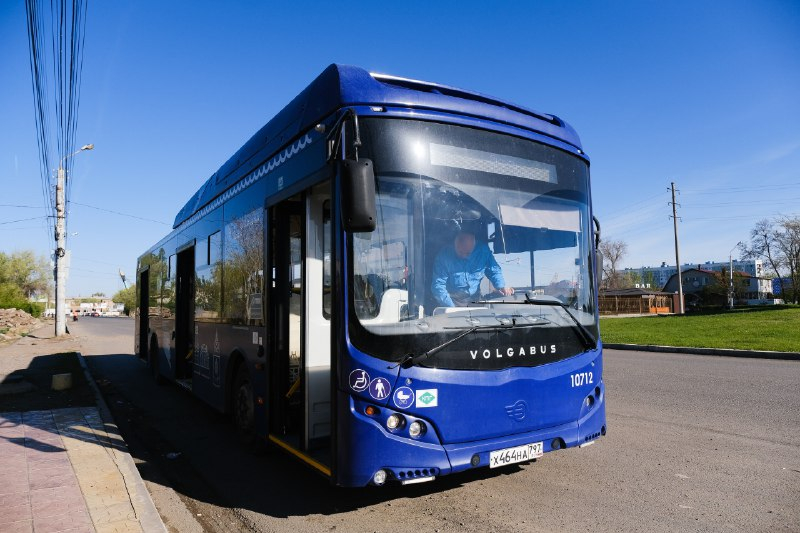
(214, 248)
(242, 269)
(326, 259)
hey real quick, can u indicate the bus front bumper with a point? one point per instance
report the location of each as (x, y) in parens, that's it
(366, 446)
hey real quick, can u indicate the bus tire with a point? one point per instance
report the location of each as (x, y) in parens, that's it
(153, 363)
(243, 407)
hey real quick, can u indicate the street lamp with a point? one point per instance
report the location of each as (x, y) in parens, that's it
(730, 290)
(61, 221)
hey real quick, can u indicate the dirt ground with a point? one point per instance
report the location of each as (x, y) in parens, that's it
(27, 366)
(15, 324)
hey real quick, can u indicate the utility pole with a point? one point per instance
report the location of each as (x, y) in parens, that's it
(677, 252)
(61, 215)
(61, 244)
(731, 290)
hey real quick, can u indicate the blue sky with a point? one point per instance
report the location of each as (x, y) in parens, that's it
(705, 94)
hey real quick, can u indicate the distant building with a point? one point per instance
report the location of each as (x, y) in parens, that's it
(776, 286)
(95, 306)
(696, 280)
(661, 274)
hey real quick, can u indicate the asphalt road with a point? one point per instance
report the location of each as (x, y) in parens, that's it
(695, 443)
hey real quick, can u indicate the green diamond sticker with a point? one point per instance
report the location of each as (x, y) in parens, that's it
(427, 398)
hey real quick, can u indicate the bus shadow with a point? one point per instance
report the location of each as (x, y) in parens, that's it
(285, 480)
(191, 448)
(41, 420)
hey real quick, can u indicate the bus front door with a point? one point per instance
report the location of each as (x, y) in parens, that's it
(300, 403)
(286, 360)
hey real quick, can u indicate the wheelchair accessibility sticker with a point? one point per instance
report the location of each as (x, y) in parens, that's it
(359, 380)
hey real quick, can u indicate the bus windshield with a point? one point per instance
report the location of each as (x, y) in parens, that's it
(474, 228)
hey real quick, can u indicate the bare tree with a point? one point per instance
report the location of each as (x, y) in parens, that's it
(778, 243)
(787, 238)
(613, 251)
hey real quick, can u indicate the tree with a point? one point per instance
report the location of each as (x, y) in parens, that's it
(777, 242)
(787, 237)
(30, 274)
(127, 297)
(613, 252)
(649, 279)
(631, 278)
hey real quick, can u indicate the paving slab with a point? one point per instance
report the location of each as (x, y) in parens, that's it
(63, 468)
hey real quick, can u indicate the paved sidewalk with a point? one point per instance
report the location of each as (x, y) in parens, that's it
(64, 469)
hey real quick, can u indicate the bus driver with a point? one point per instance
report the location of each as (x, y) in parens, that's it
(459, 268)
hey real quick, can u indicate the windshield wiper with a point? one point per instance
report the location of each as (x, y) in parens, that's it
(586, 335)
(414, 359)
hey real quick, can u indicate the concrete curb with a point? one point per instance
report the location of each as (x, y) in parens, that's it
(756, 354)
(142, 503)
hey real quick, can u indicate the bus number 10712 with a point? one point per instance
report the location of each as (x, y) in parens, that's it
(582, 378)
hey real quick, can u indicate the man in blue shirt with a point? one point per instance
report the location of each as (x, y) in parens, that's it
(459, 269)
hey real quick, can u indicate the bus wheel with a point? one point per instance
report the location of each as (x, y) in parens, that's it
(152, 360)
(243, 407)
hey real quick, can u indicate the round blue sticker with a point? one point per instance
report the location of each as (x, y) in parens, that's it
(359, 380)
(379, 388)
(404, 397)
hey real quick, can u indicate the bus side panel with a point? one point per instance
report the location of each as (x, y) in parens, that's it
(218, 346)
(207, 382)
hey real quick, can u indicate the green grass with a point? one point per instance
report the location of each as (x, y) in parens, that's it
(754, 328)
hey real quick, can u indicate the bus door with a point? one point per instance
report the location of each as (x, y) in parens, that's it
(300, 363)
(317, 319)
(143, 312)
(286, 300)
(184, 317)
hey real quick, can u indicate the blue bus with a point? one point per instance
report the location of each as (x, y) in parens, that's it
(392, 280)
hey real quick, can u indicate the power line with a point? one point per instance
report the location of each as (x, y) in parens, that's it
(61, 25)
(735, 190)
(741, 217)
(22, 220)
(120, 214)
(790, 201)
(628, 207)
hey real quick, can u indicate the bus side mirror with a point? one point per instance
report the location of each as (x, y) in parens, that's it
(358, 195)
(598, 255)
(598, 267)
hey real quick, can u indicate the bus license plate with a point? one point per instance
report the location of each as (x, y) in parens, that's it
(518, 454)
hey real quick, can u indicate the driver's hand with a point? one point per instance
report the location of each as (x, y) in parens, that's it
(506, 291)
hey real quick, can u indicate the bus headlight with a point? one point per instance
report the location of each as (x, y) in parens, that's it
(394, 421)
(416, 429)
(379, 478)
